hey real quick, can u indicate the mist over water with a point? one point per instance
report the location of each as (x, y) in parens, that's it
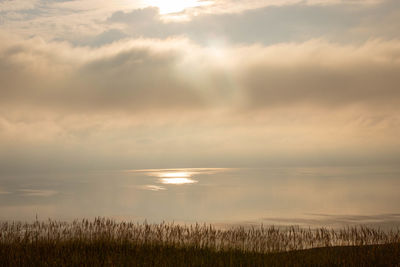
(330, 197)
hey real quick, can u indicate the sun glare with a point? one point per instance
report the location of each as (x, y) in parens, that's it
(174, 175)
(177, 181)
(174, 6)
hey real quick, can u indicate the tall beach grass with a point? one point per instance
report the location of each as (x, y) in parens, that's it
(106, 242)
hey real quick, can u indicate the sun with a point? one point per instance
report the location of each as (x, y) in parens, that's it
(174, 6)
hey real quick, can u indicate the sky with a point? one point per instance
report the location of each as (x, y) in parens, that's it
(89, 85)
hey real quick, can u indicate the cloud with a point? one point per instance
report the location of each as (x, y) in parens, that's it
(58, 20)
(296, 22)
(324, 74)
(234, 6)
(140, 75)
(237, 22)
(172, 102)
(176, 74)
(15, 5)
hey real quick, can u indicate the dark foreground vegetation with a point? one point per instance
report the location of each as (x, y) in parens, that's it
(105, 242)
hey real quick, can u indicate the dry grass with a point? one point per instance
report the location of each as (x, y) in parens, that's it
(106, 242)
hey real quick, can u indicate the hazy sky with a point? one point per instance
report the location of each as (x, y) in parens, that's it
(125, 84)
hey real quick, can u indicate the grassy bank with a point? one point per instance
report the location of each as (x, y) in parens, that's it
(106, 254)
(105, 242)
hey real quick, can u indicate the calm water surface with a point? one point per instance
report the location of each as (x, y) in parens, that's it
(303, 196)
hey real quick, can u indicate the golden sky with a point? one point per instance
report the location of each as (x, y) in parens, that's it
(225, 83)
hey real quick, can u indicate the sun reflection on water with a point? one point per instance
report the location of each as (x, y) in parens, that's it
(177, 180)
(176, 176)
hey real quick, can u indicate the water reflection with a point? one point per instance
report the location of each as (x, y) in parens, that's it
(182, 174)
(177, 176)
(324, 196)
(177, 181)
(37, 193)
(152, 187)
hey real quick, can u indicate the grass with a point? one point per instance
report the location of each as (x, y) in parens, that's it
(104, 242)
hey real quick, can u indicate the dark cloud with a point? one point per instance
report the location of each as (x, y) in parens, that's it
(134, 79)
(136, 17)
(104, 38)
(126, 77)
(269, 85)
